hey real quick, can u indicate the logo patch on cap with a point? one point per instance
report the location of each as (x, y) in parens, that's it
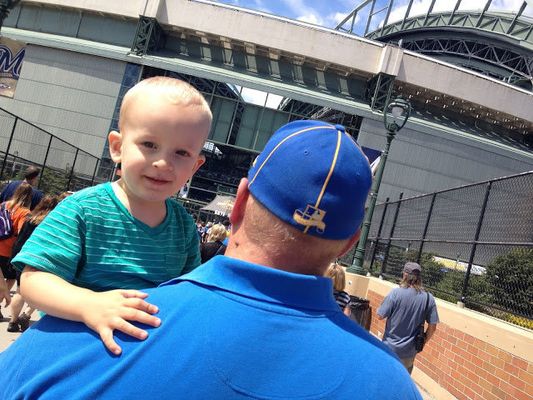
(310, 217)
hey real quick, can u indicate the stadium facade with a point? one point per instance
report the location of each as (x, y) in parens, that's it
(468, 74)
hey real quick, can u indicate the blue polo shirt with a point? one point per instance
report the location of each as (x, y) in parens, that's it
(230, 330)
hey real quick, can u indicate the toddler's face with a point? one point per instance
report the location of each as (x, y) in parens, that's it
(160, 146)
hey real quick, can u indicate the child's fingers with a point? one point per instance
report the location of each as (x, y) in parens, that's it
(131, 330)
(141, 305)
(106, 335)
(134, 294)
(136, 315)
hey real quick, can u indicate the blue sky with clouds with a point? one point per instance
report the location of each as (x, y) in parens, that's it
(329, 13)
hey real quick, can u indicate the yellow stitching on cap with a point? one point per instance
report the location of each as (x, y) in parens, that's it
(333, 163)
(283, 141)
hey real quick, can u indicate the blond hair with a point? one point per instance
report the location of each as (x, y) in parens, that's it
(337, 275)
(217, 233)
(174, 90)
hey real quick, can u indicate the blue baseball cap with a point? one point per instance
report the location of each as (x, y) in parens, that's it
(313, 176)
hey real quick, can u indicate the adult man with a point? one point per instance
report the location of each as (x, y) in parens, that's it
(406, 309)
(31, 176)
(260, 322)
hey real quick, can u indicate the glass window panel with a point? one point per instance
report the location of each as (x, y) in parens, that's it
(222, 115)
(270, 122)
(246, 133)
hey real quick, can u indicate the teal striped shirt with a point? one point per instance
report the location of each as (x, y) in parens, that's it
(91, 240)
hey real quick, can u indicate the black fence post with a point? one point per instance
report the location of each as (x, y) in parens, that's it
(419, 255)
(44, 162)
(373, 256)
(386, 256)
(474, 245)
(95, 169)
(8, 147)
(72, 169)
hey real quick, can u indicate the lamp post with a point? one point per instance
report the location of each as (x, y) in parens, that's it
(5, 7)
(395, 115)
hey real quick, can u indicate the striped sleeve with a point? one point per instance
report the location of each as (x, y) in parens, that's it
(56, 244)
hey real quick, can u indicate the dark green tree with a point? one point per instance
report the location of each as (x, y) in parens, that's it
(53, 181)
(510, 277)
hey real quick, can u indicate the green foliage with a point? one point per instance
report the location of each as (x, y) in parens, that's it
(53, 182)
(510, 277)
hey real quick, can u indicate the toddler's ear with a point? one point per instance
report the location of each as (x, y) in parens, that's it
(115, 146)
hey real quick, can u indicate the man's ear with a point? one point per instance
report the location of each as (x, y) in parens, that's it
(237, 212)
(115, 146)
(351, 242)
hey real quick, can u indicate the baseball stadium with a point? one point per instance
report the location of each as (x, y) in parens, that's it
(458, 184)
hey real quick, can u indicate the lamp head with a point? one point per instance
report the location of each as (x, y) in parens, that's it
(396, 114)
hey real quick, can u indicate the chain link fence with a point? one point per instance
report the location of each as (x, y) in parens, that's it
(474, 243)
(63, 166)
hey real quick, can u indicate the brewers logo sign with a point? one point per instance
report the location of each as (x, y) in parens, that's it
(11, 56)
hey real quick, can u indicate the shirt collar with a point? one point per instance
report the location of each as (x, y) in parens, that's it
(264, 283)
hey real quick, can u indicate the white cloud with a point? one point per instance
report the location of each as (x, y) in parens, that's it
(311, 18)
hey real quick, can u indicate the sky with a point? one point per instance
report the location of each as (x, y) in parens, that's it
(329, 13)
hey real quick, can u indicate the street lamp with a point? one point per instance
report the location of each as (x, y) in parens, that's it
(5, 7)
(395, 115)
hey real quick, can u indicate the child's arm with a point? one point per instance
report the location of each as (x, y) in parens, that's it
(102, 312)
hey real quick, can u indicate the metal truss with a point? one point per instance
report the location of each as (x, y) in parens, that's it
(148, 37)
(379, 91)
(465, 34)
(519, 67)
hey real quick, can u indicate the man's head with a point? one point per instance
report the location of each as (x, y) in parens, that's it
(308, 190)
(163, 124)
(411, 275)
(31, 174)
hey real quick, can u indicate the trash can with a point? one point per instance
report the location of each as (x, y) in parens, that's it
(361, 312)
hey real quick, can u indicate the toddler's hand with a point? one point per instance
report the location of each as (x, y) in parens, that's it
(107, 311)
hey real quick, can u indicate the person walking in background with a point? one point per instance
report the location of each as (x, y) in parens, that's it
(406, 309)
(214, 245)
(337, 275)
(259, 322)
(128, 234)
(31, 176)
(18, 208)
(20, 322)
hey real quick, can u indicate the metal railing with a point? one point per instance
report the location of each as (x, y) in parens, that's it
(63, 166)
(474, 243)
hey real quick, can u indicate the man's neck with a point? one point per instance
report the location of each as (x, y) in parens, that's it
(290, 261)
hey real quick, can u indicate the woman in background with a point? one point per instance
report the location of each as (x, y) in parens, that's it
(19, 208)
(337, 275)
(213, 246)
(22, 322)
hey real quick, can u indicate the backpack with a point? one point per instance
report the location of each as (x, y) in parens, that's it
(6, 225)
